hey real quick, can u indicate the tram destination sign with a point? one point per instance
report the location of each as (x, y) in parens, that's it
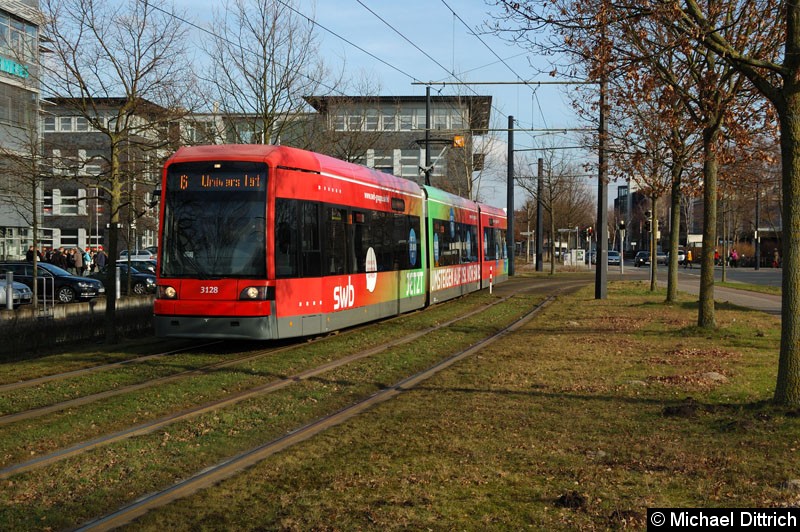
(218, 181)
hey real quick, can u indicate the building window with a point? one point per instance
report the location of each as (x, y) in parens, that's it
(65, 123)
(406, 120)
(18, 39)
(409, 163)
(439, 118)
(355, 122)
(338, 122)
(383, 161)
(49, 124)
(47, 203)
(69, 238)
(371, 121)
(81, 124)
(458, 119)
(65, 203)
(18, 106)
(389, 120)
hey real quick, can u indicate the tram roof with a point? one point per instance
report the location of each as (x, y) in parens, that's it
(293, 158)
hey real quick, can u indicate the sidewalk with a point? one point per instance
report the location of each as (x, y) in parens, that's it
(768, 303)
(771, 304)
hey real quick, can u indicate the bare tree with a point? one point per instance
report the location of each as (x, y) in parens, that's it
(264, 60)
(135, 52)
(565, 197)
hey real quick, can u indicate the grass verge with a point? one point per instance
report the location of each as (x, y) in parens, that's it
(595, 411)
(69, 492)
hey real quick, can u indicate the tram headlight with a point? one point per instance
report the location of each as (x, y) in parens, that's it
(167, 292)
(254, 293)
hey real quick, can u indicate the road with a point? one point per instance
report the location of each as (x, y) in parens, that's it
(689, 281)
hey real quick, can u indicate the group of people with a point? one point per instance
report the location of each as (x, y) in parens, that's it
(74, 260)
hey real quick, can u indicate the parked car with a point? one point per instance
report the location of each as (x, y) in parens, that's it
(141, 282)
(144, 266)
(21, 294)
(661, 257)
(138, 254)
(613, 258)
(55, 281)
(642, 258)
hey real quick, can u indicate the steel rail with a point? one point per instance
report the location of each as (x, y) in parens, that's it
(94, 369)
(156, 424)
(228, 468)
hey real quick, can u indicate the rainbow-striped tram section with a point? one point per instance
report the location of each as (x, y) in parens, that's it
(269, 242)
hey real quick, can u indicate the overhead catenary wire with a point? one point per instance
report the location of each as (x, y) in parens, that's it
(237, 45)
(426, 54)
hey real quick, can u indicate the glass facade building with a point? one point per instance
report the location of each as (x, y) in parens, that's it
(19, 124)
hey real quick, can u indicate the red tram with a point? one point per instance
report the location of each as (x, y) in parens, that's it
(267, 242)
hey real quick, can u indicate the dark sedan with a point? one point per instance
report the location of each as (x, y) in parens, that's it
(144, 266)
(141, 282)
(55, 282)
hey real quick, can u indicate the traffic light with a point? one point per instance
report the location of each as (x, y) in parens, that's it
(589, 231)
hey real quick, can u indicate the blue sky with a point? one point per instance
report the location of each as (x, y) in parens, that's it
(432, 26)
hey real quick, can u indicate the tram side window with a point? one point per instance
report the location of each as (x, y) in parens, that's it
(469, 251)
(403, 225)
(361, 238)
(285, 238)
(500, 237)
(453, 246)
(489, 248)
(311, 249)
(372, 229)
(382, 223)
(336, 241)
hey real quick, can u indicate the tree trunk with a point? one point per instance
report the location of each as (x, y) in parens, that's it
(674, 234)
(653, 243)
(553, 244)
(705, 316)
(787, 390)
(115, 201)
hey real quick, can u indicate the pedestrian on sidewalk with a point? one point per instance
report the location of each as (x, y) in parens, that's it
(688, 260)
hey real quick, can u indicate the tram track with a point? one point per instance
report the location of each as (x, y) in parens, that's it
(232, 466)
(32, 413)
(88, 399)
(96, 369)
(289, 423)
(156, 424)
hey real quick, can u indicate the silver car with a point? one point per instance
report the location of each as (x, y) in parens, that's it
(21, 294)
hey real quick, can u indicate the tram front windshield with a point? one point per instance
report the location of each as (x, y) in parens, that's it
(215, 220)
